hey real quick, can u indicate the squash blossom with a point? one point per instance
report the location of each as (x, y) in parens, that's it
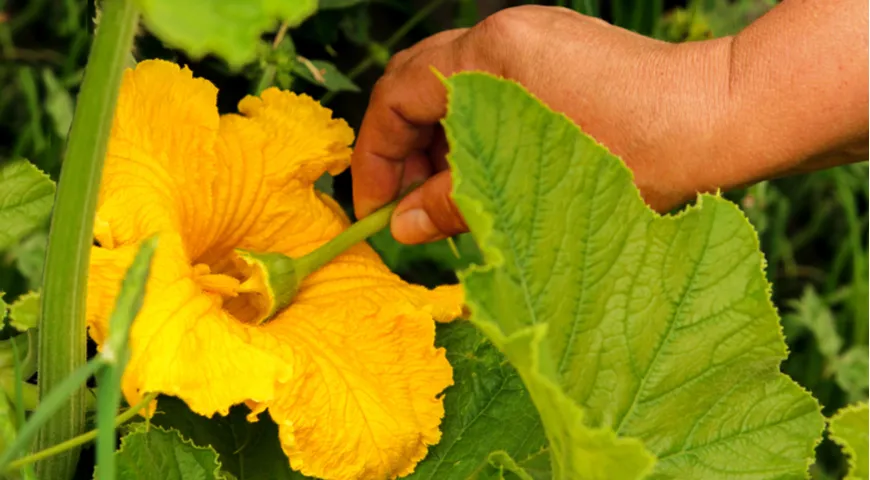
(348, 370)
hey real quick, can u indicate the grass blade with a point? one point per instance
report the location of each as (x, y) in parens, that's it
(116, 355)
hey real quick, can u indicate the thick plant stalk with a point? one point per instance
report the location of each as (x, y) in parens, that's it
(62, 343)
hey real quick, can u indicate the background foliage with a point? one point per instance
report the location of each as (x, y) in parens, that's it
(813, 228)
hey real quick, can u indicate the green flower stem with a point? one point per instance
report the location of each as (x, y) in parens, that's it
(83, 438)
(62, 326)
(355, 234)
(285, 274)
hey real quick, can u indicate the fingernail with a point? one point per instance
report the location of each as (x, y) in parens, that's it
(414, 226)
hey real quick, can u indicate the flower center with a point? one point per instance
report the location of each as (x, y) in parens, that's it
(242, 288)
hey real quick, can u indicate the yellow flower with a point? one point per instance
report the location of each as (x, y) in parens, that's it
(348, 371)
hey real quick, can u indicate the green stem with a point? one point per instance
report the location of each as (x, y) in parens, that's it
(49, 409)
(62, 327)
(268, 76)
(403, 30)
(355, 234)
(83, 438)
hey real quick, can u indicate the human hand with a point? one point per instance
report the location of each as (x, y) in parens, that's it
(787, 95)
(640, 97)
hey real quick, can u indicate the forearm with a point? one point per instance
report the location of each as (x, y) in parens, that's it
(798, 89)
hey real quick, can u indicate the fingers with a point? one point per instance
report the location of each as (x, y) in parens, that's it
(428, 213)
(405, 105)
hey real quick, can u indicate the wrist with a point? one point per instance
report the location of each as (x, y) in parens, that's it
(687, 152)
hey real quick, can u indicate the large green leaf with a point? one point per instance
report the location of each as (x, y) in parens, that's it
(150, 452)
(848, 428)
(486, 410)
(632, 331)
(247, 451)
(26, 195)
(228, 28)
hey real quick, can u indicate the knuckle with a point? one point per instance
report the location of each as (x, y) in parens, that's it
(397, 60)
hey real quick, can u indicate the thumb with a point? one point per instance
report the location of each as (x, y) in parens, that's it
(428, 213)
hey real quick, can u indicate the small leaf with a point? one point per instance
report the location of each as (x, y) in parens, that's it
(149, 453)
(26, 196)
(324, 74)
(24, 312)
(230, 30)
(848, 428)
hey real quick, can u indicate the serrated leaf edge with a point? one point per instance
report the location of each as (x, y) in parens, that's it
(144, 427)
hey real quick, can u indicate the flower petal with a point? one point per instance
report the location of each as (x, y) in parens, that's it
(304, 140)
(160, 166)
(364, 400)
(182, 342)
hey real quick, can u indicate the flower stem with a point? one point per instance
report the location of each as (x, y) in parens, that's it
(355, 234)
(62, 326)
(83, 438)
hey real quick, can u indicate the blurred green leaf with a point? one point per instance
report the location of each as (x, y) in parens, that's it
(151, 452)
(26, 347)
(324, 74)
(58, 103)
(8, 428)
(851, 372)
(29, 257)
(641, 16)
(247, 451)
(356, 24)
(24, 312)
(337, 4)
(813, 313)
(848, 428)
(26, 196)
(230, 29)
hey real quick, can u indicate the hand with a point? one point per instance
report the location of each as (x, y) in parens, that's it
(629, 92)
(685, 118)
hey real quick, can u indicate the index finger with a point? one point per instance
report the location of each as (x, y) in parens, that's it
(404, 106)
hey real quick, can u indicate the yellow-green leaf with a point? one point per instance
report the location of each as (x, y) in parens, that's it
(638, 336)
(230, 29)
(848, 428)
